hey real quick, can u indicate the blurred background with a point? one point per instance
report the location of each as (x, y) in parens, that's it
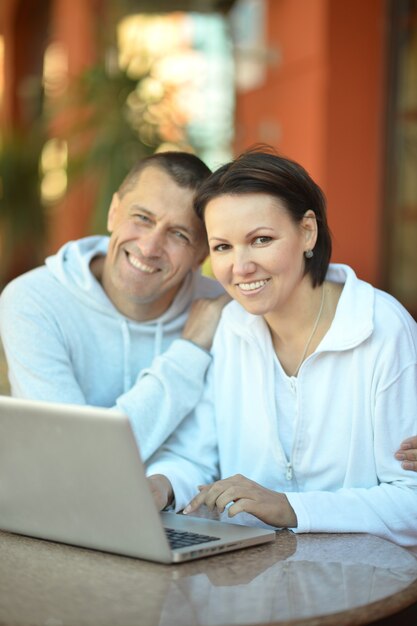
(88, 86)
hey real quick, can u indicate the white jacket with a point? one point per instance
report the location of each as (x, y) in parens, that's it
(355, 399)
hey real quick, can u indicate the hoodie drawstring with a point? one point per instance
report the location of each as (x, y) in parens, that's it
(158, 339)
(127, 377)
(127, 381)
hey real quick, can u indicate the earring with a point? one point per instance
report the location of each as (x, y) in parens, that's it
(308, 254)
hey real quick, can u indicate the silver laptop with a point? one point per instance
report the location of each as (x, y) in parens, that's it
(73, 474)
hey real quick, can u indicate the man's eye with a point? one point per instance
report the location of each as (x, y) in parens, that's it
(180, 235)
(141, 217)
(263, 239)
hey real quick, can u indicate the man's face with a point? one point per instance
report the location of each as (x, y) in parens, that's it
(156, 238)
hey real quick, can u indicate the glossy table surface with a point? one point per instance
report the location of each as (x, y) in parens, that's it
(299, 579)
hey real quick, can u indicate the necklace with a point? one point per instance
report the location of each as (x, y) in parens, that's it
(316, 323)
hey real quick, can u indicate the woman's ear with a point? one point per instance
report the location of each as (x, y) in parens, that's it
(309, 225)
(111, 216)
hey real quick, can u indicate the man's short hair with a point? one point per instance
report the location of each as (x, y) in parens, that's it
(186, 169)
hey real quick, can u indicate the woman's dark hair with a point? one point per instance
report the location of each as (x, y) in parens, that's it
(263, 171)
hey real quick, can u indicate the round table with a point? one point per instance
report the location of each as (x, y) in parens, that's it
(298, 580)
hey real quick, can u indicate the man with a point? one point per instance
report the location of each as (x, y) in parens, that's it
(104, 321)
(407, 454)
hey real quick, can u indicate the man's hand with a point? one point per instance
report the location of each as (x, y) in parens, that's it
(202, 320)
(408, 454)
(269, 506)
(161, 490)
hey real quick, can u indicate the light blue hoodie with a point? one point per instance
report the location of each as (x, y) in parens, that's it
(66, 342)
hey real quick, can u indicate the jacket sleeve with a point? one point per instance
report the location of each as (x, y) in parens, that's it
(164, 394)
(388, 509)
(38, 359)
(189, 458)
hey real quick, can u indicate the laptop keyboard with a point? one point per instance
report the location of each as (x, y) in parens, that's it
(183, 538)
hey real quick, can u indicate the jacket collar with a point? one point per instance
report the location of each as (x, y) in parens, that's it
(352, 323)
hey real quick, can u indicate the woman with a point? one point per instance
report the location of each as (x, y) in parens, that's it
(314, 375)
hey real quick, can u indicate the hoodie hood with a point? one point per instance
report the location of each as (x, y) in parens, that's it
(352, 323)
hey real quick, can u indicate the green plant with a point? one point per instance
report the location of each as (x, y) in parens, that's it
(108, 127)
(22, 218)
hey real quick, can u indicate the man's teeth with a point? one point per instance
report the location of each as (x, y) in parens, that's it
(141, 266)
(252, 286)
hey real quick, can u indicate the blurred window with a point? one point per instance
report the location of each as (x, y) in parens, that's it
(401, 192)
(1, 68)
(184, 66)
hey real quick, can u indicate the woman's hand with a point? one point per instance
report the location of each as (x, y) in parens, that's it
(269, 506)
(408, 454)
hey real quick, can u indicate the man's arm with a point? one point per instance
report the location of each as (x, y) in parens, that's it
(38, 356)
(42, 364)
(407, 453)
(189, 457)
(170, 389)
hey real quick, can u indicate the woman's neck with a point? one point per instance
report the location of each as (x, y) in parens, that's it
(297, 331)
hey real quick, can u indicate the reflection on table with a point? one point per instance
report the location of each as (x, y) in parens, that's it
(293, 580)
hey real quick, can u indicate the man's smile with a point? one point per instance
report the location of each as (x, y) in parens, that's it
(140, 265)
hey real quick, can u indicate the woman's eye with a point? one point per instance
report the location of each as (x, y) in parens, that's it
(221, 247)
(262, 240)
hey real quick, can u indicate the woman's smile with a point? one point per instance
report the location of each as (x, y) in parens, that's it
(253, 286)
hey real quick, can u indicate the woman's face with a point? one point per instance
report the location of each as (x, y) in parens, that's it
(257, 251)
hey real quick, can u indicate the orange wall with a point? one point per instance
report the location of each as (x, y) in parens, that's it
(322, 105)
(355, 138)
(75, 24)
(23, 25)
(7, 10)
(27, 32)
(291, 101)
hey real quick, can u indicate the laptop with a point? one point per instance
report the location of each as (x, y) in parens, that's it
(73, 474)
